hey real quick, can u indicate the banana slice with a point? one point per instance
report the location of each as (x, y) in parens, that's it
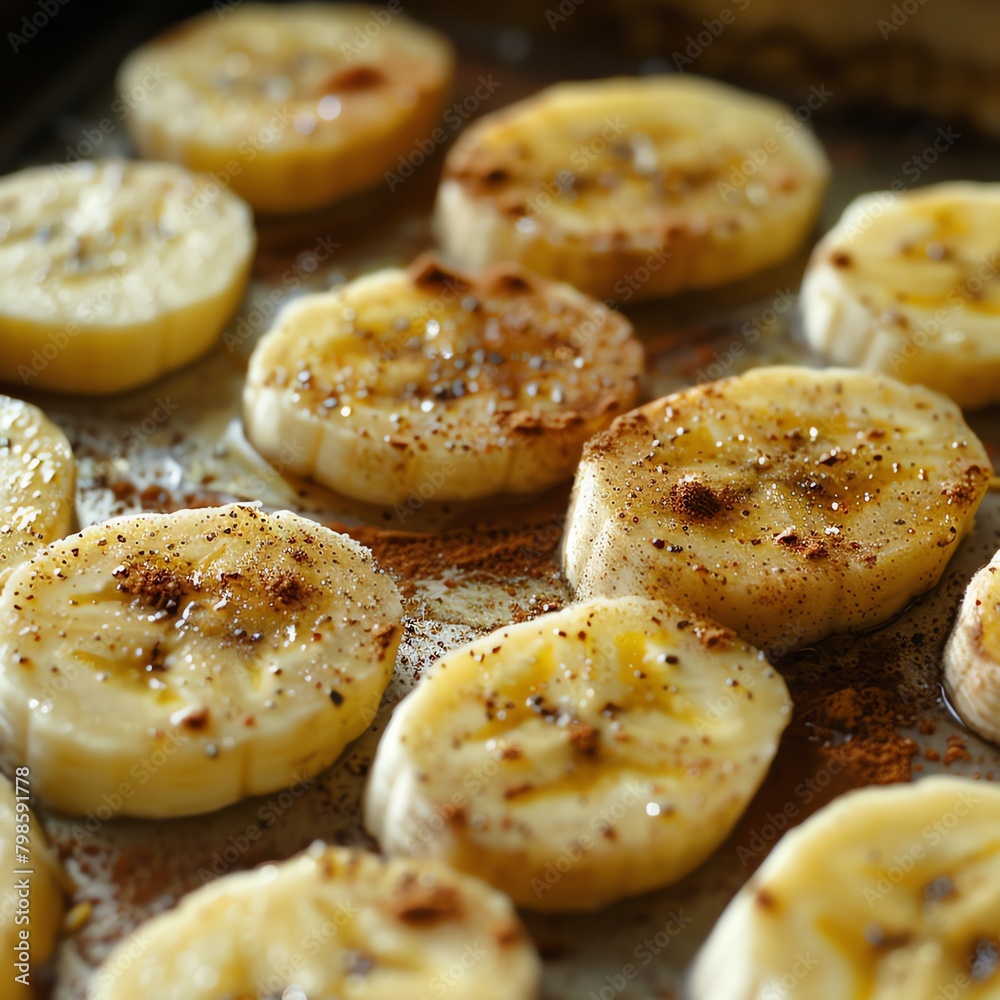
(331, 922)
(907, 284)
(972, 655)
(31, 897)
(37, 483)
(787, 503)
(114, 273)
(169, 664)
(591, 754)
(633, 188)
(293, 106)
(431, 383)
(890, 893)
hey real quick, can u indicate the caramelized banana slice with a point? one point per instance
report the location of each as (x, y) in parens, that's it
(435, 383)
(787, 503)
(291, 105)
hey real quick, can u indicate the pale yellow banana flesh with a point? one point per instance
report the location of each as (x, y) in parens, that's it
(909, 284)
(37, 483)
(786, 503)
(591, 754)
(170, 664)
(889, 893)
(972, 655)
(632, 188)
(331, 922)
(114, 273)
(291, 106)
(433, 383)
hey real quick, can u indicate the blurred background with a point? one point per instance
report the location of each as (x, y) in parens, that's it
(905, 66)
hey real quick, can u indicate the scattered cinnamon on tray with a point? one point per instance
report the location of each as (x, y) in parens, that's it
(515, 552)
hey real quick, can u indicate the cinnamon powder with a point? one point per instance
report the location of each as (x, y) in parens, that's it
(855, 724)
(860, 725)
(507, 553)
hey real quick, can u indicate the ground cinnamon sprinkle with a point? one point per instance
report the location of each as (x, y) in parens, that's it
(856, 725)
(957, 750)
(860, 725)
(514, 552)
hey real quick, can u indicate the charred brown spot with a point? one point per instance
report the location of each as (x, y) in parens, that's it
(429, 273)
(812, 546)
(694, 501)
(583, 738)
(196, 720)
(528, 423)
(427, 905)
(517, 790)
(765, 900)
(841, 259)
(383, 636)
(512, 283)
(288, 588)
(355, 78)
(713, 635)
(511, 934)
(157, 660)
(884, 940)
(966, 489)
(510, 753)
(497, 176)
(157, 586)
